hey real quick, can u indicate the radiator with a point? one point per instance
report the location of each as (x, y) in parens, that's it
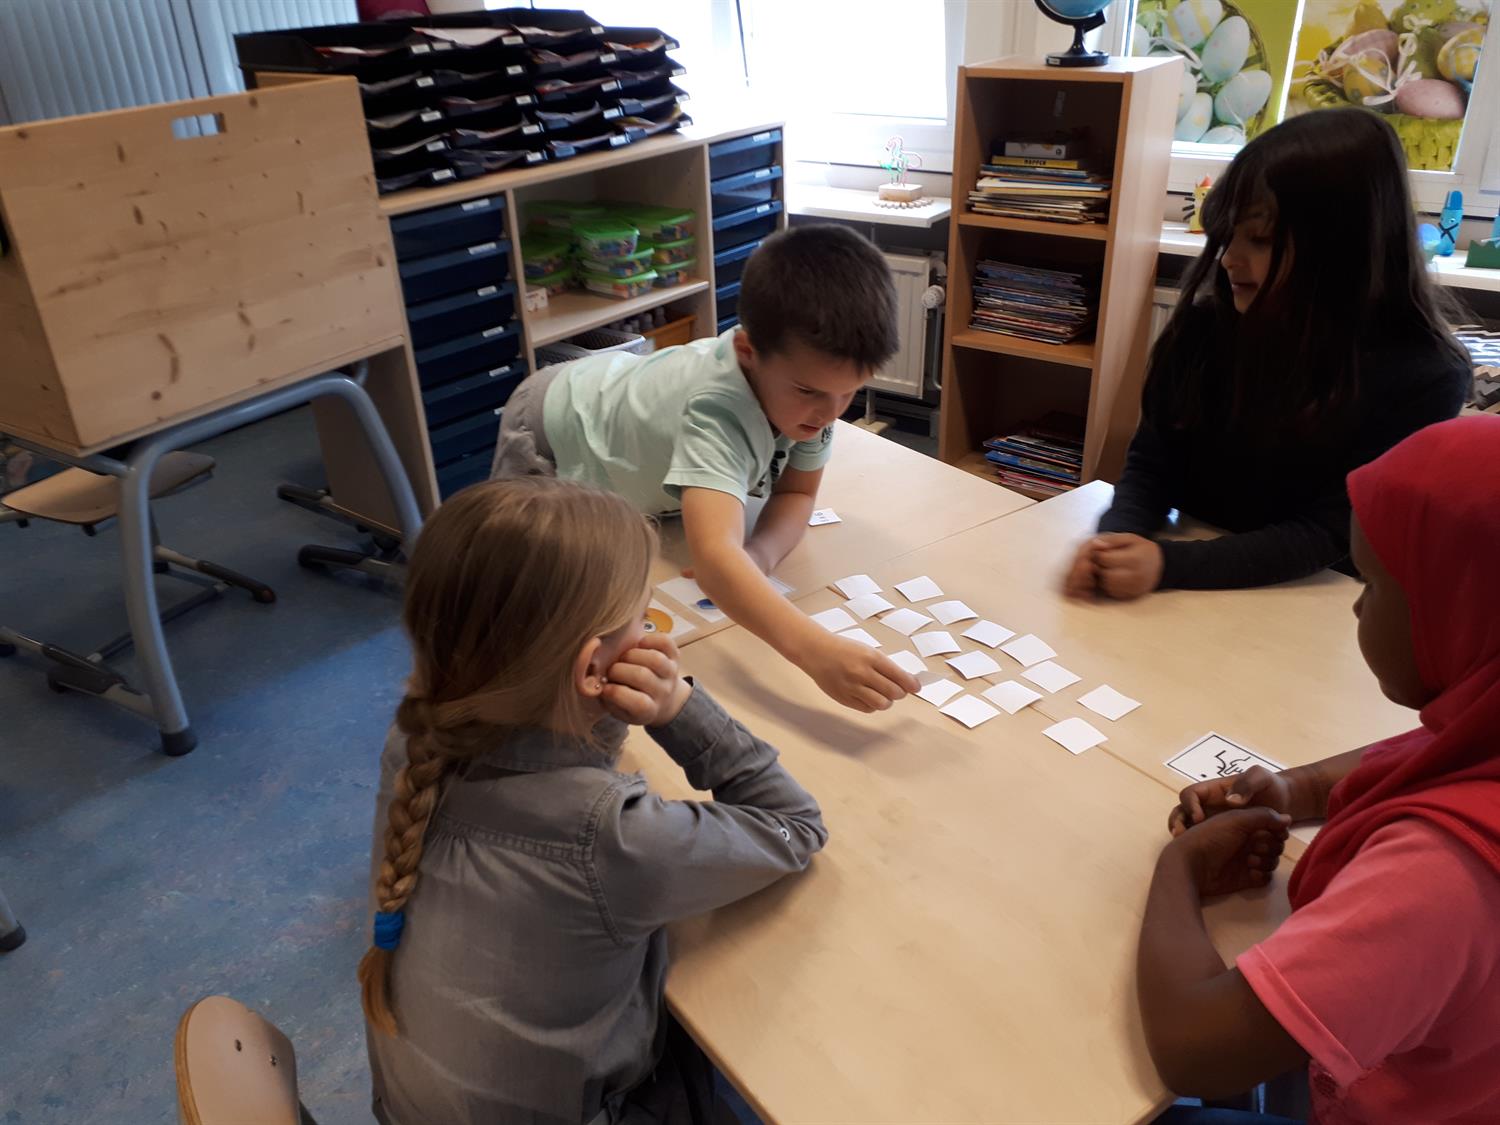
(1163, 301)
(64, 57)
(903, 374)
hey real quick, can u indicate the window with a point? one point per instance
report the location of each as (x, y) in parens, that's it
(1253, 63)
(848, 76)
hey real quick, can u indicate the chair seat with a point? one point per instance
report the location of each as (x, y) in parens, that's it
(78, 496)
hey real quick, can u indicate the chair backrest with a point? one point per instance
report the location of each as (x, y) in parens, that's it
(234, 1066)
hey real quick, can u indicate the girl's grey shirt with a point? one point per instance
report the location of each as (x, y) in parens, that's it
(528, 984)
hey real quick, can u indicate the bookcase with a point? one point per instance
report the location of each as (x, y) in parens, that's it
(994, 383)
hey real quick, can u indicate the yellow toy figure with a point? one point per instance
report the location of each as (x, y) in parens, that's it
(1200, 193)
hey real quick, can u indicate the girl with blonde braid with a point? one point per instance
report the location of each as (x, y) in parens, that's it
(521, 884)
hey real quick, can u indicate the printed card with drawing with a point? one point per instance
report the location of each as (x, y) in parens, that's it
(1213, 756)
(689, 593)
(823, 516)
(660, 619)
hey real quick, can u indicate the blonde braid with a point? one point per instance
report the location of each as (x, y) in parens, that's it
(418, 784)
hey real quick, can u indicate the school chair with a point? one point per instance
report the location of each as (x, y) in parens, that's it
(86, 500)
(233, 1066)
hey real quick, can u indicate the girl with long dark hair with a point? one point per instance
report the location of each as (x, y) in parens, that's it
(1307, 341)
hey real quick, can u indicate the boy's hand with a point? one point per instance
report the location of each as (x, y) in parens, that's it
(1257, 787)
(1234, 851)
(644, 686)
(856, 675)
(1082, 579)
(1128, 566)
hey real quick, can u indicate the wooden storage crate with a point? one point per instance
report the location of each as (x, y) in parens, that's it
(158, 271)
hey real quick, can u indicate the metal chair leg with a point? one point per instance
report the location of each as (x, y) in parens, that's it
(12, 933)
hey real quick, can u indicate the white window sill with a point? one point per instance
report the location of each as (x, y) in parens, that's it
(1176, 240)
(854, 205)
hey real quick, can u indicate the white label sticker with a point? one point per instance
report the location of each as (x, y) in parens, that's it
(477, 204)
(495, 331)
(431, 115)
(487, 290)
(482, 248)
(759, 137)
(423, 83)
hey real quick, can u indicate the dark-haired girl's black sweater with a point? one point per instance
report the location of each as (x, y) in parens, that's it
(1283, 501)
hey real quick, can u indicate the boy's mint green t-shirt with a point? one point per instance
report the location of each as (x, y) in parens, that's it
(647, 427)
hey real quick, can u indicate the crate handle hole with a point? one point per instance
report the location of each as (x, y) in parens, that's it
(198, 125)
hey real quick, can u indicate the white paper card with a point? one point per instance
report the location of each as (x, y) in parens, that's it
(690, 594)
(823, 515)
(1213, 755)
(970, 711)
(939, 692)
(674, 623)
(1074, 735)
(857, 584)
(1028, 650)
(973, 664)
(867, 605)
(919, 589)
(1049, 676)
(861, 636)
(988, 633)
(1010, 696)
(949, 612)
(905, 621)
(1105, 700)
(835, 620)
(781, 587)
(935, 643)
(909, 662)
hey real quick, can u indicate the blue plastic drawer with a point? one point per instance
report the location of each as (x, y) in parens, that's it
(759, 150)
(453, 271)
(432, 322)
(494, 347)
(727, 301)
(735, 193)
(464, 471)
(469, 434)
(482, 391)
(470, 223)
(750, 225)
(729, 265)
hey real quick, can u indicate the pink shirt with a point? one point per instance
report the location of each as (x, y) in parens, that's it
(1391, 982)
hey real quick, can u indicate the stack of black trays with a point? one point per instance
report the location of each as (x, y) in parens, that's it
(452, 97)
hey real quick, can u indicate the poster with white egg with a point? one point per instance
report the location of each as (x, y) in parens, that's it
(1412, 60)
(1235, 54)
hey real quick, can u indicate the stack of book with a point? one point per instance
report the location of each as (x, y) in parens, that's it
(1052, 306)
(1041, 458)
(1019, 184)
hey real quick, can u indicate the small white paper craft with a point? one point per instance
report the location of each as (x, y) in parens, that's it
(861, 636)
(939, 692)
(905, 621)
(935, 643)
(1049, 676)
(1028, 650)
(867, 605)
(690, 594)
(949, 612)
(919, 589)
(1213, 755)
(969, 711)
(857, 584)
(988, 633)
(1105, 700)
(972, 665)
(835, 620)
(1074, 735)
(821, 516)
(1010, 696)
(909, 662)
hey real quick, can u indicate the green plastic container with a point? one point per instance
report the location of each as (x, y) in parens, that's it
(606, 238)
(625, 265)
(669, 276)
(545, 254)
(677, 250)
(561, 215)
(665, 224)
(554, 283)
(622, 287)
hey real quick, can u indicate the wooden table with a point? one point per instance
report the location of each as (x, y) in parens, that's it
(964, 948)
(891, 501)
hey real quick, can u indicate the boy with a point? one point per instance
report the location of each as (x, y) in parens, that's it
(700, 428)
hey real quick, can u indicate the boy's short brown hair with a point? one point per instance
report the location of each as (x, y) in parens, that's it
(825, 287)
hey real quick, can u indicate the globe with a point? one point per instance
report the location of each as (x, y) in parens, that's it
(1082, 16)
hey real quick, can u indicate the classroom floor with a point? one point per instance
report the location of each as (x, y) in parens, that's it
(146, 882)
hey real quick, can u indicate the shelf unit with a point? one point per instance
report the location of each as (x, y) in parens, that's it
(993, 383)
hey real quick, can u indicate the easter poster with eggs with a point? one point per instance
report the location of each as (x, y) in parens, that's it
(1413, 61)
(1235, 56)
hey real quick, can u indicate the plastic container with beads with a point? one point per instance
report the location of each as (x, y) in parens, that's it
(665, 224)
(625, 265)
(561, 215)
(637, 285)
(544, 254)
(676, 250)
(554, 283)
(675, 274)
(606, 238)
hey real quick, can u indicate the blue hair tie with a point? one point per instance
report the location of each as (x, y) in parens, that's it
(388, 927)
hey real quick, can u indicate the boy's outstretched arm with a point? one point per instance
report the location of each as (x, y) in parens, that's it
(783, 521)
(849, 672)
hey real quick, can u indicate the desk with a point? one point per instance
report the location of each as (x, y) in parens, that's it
(1277, 669)
(891, 500)
(964, 949)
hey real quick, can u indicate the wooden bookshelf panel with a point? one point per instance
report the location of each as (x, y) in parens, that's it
(1041, 249)
(986, 394)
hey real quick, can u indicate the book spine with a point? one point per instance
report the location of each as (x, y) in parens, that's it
(1042, 150)
(1036, 162)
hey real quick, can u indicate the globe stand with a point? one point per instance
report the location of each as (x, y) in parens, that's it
(1077, 54)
